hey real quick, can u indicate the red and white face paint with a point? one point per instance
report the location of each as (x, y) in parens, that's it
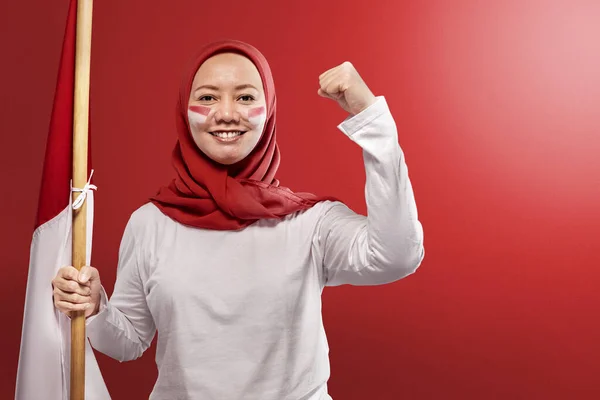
(198, 115)
(254, 118)
(226, 111)
(257, 117)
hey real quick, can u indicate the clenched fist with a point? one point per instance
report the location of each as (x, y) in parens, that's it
(77, 290)
(344, 85)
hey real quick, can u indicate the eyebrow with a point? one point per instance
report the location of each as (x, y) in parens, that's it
(238, 87)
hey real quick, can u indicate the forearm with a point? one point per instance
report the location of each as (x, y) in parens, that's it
(387, 244)
(112, 333)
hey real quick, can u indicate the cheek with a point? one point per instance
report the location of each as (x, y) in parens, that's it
(257, 117)
(197, 116)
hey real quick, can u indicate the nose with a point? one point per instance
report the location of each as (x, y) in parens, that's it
(227, 111)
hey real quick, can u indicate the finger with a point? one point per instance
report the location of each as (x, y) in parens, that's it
(81, 296)
(328, 85)
(328, 72)
(322, 93)
(326, 78)
(72, 298)
(72, 287)
(68, 272)
(87, 273)
(63, 275)
(67, 307)
(345, 67)
(336, 88)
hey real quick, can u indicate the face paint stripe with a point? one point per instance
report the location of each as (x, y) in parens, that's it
(203, 110)
(255, 112)
(196, 118)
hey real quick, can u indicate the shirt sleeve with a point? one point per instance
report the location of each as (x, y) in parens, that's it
(387, 244)
(123, 328)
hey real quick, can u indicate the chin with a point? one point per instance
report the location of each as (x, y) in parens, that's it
(223, 154)
(225, 159)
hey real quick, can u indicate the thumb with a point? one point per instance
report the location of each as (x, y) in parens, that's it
(333, 96)
(86, 273)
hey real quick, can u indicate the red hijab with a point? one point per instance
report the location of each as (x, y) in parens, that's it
(206, 194)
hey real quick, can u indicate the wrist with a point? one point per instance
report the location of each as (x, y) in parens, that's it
(362, 106)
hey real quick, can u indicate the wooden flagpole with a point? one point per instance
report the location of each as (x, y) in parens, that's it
(83, 47)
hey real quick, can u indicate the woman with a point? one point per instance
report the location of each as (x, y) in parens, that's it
(228, 265)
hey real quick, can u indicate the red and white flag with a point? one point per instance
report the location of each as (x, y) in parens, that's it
(44, 359)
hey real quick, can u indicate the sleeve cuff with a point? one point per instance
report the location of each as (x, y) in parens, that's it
(354, 123)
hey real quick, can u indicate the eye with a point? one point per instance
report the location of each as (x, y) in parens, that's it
(246, 98)
(206, 97)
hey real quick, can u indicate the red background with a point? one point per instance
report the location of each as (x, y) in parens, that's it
(497, 105)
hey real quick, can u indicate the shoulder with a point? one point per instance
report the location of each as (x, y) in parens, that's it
(144, 213)
(333, 208)
(145, 219)
(320, 209)
(323, 210)
(337, 216)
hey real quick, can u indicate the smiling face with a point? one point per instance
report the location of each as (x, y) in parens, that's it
(227, 108)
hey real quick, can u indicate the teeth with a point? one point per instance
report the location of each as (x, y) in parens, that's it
(227, 135)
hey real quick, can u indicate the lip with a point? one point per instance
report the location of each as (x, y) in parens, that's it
(226, 130)
(228, 140)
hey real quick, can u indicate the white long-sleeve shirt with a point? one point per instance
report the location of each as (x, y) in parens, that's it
(239, 312)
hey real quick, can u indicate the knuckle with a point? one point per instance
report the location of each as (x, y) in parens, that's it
(64, 270)
(77, 298)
